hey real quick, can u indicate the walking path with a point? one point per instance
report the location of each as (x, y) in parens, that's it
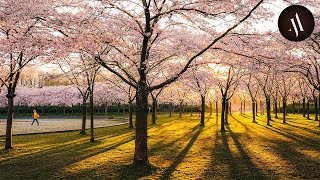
(23, 126)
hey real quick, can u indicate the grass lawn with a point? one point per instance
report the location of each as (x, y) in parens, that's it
(178, 149)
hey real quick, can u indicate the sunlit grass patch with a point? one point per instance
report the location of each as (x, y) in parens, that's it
(178, 148)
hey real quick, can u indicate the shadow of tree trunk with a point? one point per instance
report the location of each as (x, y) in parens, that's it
(167, 173)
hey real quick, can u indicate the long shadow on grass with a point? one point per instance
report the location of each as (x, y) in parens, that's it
(307, 141)
(135, 171)
(254, 171)
(55, 160)
(304, 167)
(234, 171)
(168, 172)
(250, 131)
(130, 171)
(245, 116)
(172, 121)
(227, 165)
(56, 144)
(302, 128)
(160, 146)
(306, 122)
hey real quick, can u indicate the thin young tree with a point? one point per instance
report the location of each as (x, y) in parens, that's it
(266, 83)
(284, 85)
(154, 95)
(253, 89)
(227, 88)
(126, 89)
(201, 82)
(93, 74)
(306, 92)
(79, 73)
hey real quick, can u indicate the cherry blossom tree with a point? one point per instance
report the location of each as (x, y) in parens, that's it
(135, 41)
(154, 95)
(228, 80)
(266, 83)
(144, 45)
(276, 97)
(128, 92)
(284, 85)
(25, 37)
(181, 95)
(306, 91)
(81, 72)
(253, 89)
(242, 95)
(213, 97)
(169, 97)
(315, 96)
(296, 97)
(106, 93)
(200, 79)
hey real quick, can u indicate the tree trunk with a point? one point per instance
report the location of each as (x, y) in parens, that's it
(154, 111)
(244, 107)
(272, 107)
(256, 108)
(304, 107)
(203, 101)
(180, 109)
(308, 109)
(184, 107)
(293, 108)
(210, 108)
(106, 109)
(227, 112)
(230, 110)
(299, 104)
(91, 117)
(118, 108)
(284, 111)
(316, 109)
(279, 105)
(217, 110)
(84, 115)
(240, 107)
(170, 109)
(268, 111)
(191, 109)
(10, 96)
(130, 116)
(276, 108)
(253, 111)
(141, 141)
(222, 114)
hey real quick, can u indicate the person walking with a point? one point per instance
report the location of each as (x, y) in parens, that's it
(35, 117)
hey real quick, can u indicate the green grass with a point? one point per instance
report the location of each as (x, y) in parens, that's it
(68, 115)
(178, 149)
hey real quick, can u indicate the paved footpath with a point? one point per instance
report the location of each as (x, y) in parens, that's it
(23, 126)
